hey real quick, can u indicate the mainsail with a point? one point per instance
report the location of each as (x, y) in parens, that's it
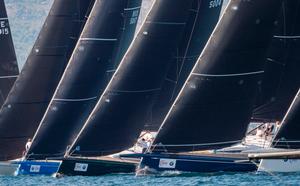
(120, 114)
(32, 91)
(288, 135)
(109, 31)
(9, 70)
(202, 20)
(214, 107)
(281, 80)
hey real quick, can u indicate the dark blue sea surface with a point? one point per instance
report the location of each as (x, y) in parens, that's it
(163, 179)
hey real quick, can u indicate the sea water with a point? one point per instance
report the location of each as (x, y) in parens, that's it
(168, 178)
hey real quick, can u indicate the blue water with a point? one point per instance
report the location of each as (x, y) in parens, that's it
(165, 179)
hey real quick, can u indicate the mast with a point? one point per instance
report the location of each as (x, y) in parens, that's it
(9, 70)
(214, 107)
(202, 20)
(120, 114)
(104, 40)
(288, 135)
(281, 80)
(32, 91)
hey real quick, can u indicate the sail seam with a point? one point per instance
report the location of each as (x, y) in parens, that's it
(170, 80)
(97, 39)
(113, 70)
(133, 8)
(165, 23)
(7, 77)
(149, 90)
(76, 100)
(228, 75)
(287, 37)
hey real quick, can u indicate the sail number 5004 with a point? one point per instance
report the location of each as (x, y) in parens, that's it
(215, 3)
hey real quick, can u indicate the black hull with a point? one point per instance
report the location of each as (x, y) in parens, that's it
(94, 167)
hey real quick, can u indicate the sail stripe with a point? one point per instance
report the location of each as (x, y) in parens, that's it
(4, 18)
(287, 37)
(228, 75)
(138, 91)
(274, 61)
(164, 23)
(170, 80)
(75, 100)
(7, 77)
(133, 8)
(97, 39)
(113, 70)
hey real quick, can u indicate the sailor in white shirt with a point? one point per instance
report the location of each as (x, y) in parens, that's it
(144, 144)
(28, 144)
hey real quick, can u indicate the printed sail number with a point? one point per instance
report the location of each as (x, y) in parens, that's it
(3, 28)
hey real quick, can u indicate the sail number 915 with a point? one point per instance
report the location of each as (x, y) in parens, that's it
(3, 29)
(215, 3)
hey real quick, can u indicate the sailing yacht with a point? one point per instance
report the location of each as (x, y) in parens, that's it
(9, 69)
(109, 31)
(32, 91)
(9, 72)
(120, 113)
(280, 83)
(223, 82)
(285, 156)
